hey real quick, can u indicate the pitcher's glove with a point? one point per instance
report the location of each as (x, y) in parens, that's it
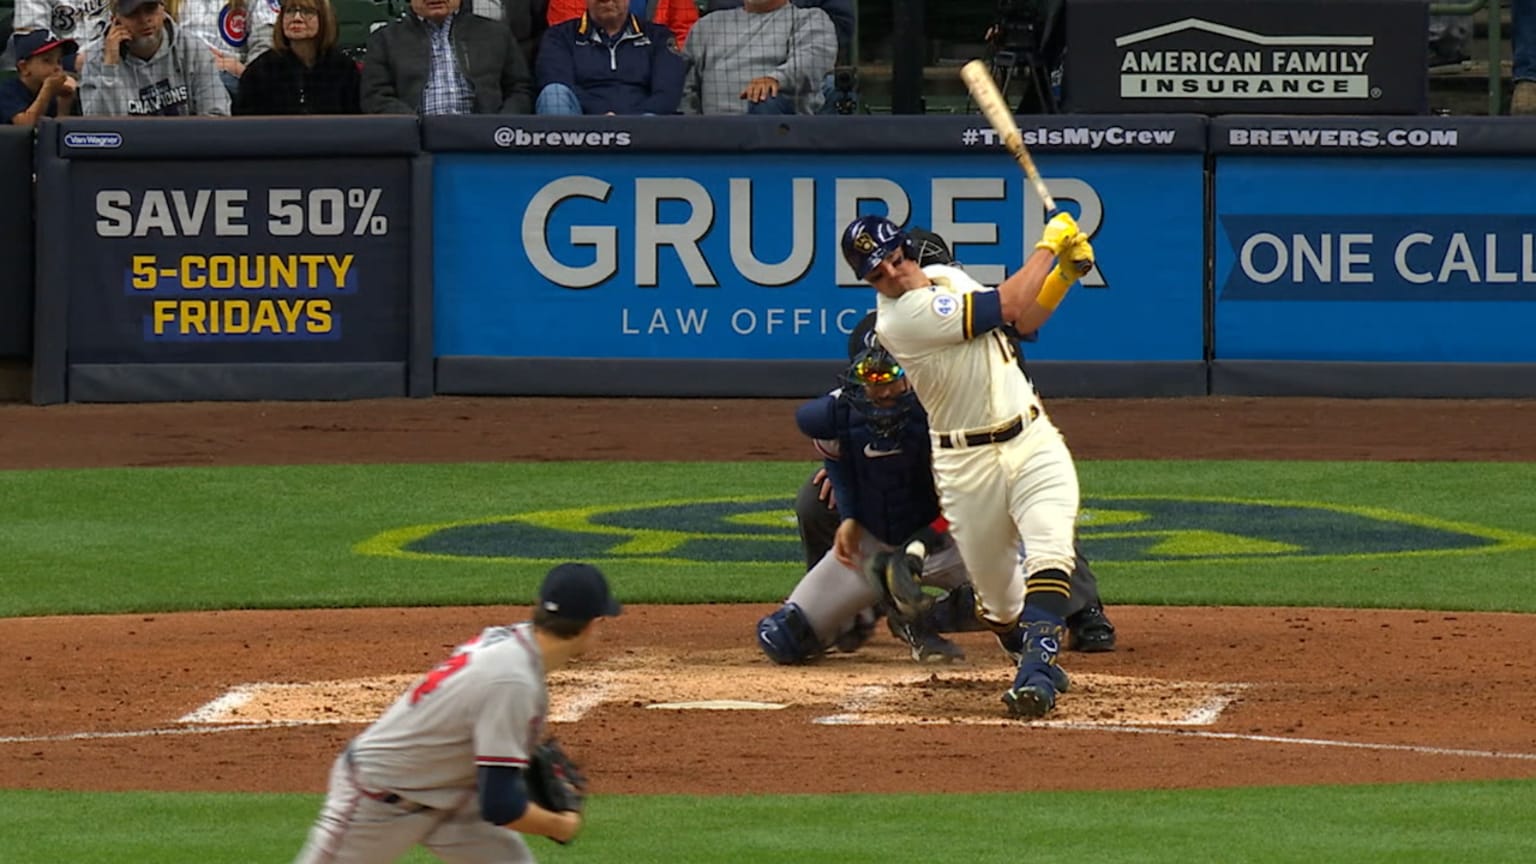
(896, 575)
(554, 782)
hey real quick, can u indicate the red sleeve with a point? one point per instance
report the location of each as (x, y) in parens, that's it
(564, 10)
(680, 15)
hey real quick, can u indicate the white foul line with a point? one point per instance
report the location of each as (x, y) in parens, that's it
(842, 719)
(839, 720)
(150, 733)
(1276, 739)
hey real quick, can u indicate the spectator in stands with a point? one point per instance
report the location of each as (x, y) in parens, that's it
(609, 62)
(835, 99)
(677, 15)
(235, 32)
(1522, 37)
(768, 57)
(840, 11)
(41, 87)
(84, 21)
(145, 67)
(442, 59)
(304, 73)
(524, 17)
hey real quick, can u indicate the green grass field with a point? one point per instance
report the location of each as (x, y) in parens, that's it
(1456, 536)
(1389, 824)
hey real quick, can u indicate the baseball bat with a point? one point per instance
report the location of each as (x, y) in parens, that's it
(978, 80)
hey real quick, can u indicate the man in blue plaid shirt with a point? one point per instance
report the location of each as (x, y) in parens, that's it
(443, 59)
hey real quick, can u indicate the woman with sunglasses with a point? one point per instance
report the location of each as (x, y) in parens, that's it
(304, 73)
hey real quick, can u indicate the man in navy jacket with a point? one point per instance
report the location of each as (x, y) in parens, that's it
(609, 61)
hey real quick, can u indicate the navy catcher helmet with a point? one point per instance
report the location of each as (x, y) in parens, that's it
(875, 365)
(931, 248)
(868, 239)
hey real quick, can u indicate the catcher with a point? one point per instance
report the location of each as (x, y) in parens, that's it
(887, 546)
(458, 759)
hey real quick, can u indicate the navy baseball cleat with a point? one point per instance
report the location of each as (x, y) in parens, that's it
(1090, 631)
(927, 645)
(1037, 695)
(1039, 679)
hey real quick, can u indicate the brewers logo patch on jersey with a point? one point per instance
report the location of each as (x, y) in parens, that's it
(945, 305)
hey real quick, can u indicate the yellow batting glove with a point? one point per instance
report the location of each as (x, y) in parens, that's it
(1077, 259)
(1058, 233)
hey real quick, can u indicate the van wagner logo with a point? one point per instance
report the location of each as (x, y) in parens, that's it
(1197, 59)
(93, 140)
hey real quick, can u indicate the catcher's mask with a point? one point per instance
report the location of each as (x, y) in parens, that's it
(876, 385)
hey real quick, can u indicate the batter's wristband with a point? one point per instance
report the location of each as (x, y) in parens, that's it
(1053, 289)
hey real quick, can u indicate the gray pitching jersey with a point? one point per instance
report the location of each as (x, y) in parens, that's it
(484, 705)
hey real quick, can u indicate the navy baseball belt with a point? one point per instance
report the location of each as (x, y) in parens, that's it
(381, 797)
(978, 437)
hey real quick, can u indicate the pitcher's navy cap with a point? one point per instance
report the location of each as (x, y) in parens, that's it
(577, 591)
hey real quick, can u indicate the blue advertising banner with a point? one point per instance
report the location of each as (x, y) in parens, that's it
(1354, 259)
(281, 261)
(735, 256)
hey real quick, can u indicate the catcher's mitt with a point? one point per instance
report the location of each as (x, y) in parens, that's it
(895, 575)
(554, 782)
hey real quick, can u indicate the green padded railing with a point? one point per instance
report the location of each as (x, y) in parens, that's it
(1495, 37)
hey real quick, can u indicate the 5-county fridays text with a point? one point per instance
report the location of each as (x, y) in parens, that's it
(213, 281)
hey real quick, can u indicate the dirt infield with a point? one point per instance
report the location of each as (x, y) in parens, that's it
(1275, 695)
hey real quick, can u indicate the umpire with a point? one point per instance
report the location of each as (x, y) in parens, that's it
(1089, 628)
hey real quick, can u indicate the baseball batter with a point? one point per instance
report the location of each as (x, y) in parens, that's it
(1003, 471)
(1088, 626)
(443, 766)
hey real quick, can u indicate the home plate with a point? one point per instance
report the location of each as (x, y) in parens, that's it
(718, 705)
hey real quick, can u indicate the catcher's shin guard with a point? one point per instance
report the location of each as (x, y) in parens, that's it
(786, 636)
(1039, 679)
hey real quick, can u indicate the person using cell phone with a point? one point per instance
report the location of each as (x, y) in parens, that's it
(148, 68)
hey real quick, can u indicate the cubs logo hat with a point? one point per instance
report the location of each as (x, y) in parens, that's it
(577, 591)
(30, 43)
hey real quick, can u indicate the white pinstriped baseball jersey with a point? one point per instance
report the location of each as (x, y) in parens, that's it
(965, 381)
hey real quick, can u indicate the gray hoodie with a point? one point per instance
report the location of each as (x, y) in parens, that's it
(179, 80)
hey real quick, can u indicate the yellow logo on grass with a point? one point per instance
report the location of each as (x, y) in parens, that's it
(760, 531)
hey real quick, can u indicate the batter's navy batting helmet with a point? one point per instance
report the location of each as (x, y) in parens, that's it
(868, 239)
